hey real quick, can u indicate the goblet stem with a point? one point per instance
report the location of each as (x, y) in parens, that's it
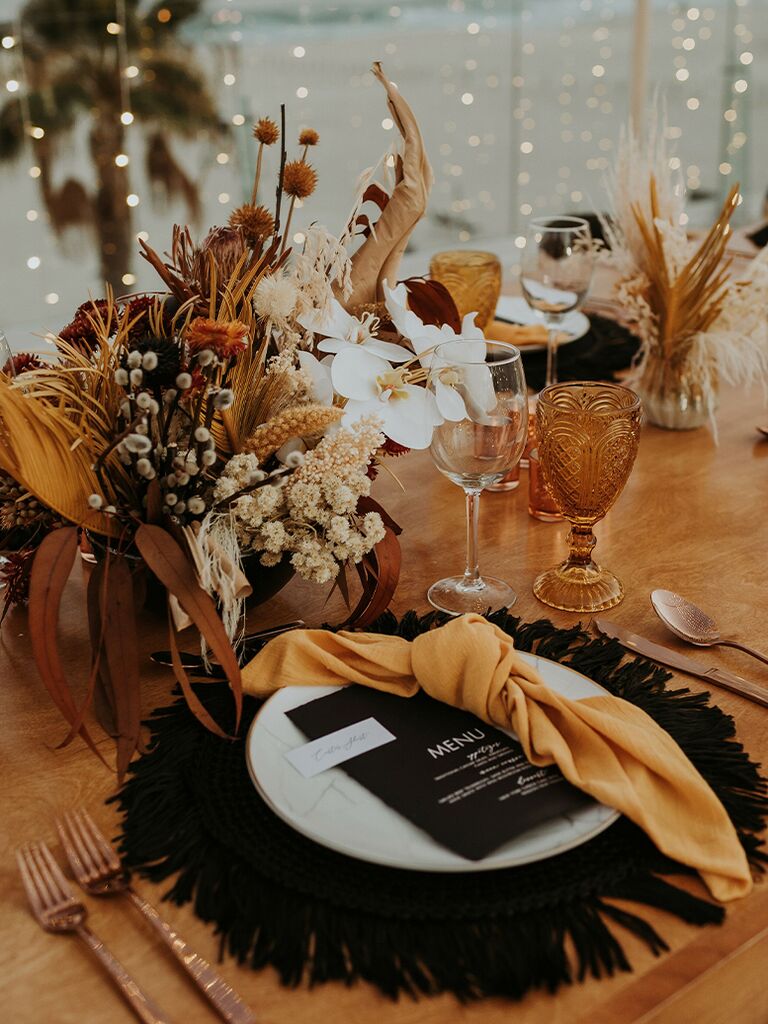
(581, 541)
(551, 357)
(472, 570)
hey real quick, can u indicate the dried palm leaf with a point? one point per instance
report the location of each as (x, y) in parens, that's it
(43, 449)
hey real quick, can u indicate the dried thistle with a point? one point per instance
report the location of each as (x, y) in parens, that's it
(299, 179)
(300, 421)
(266, 131)
(256, 223)
(309, 137)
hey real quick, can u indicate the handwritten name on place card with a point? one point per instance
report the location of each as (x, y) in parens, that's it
(328, 751)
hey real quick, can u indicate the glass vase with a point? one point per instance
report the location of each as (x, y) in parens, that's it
(673, 396)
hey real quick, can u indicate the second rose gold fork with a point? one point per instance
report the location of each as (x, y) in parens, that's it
(99, 871)
(54, 905)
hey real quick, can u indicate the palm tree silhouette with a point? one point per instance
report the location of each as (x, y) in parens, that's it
(74, 59)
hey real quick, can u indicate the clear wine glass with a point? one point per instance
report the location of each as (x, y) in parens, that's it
(6, 356)
(556, 273)
(479, 387)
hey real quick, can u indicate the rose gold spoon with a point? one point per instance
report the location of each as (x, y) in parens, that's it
(692, 624)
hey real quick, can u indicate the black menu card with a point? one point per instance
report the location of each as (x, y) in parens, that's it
(465, 783)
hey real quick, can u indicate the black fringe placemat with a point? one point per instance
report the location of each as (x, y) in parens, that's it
(606, 349)
(191, 811)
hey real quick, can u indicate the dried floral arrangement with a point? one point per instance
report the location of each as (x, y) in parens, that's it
(694, 318)
(227, 426)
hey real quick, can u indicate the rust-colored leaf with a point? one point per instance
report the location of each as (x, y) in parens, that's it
(50, 572)
(154, 502)
(363, 221)
(120, 652)
(172, 567)
(103, 701)
(376, 194)
(368, 583)
(382, 581)
(195, 704)
(432, 302)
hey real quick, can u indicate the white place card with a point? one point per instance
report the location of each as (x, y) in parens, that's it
(336, 747)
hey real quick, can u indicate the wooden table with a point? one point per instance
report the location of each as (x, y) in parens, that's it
(692, 519)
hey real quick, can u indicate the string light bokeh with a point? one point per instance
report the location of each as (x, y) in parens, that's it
(520, 104)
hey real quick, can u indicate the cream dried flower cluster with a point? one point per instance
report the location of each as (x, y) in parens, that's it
(311, 513)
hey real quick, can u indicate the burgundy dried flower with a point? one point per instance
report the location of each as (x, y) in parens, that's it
(21, 363)
(15, 573)
(84, 332)
(142, 312)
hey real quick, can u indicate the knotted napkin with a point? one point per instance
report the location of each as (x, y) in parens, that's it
(603, 745)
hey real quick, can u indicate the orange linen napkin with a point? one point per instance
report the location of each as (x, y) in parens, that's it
(603, 745)
(516, 334)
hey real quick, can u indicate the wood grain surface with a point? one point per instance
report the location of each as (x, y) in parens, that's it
(692, 519)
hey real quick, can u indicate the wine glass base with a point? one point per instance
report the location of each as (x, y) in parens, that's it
(454, 596)
(574, 588)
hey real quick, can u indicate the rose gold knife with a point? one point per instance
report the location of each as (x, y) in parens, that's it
(683, 662)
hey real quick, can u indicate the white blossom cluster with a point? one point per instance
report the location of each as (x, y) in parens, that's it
(309, 513)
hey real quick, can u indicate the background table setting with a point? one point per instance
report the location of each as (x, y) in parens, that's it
(201, 442)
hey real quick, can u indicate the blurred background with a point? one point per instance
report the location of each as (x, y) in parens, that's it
(120, 118)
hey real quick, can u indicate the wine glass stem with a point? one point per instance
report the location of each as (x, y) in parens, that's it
(551, 377)
(472, 571)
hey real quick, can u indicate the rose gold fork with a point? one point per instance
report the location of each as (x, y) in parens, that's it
(57, 910)
(98, 870)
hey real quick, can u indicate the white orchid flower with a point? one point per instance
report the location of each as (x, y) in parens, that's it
(319, 373)
(407, 413)
(469, 352)
(342, 330)
(424, 337)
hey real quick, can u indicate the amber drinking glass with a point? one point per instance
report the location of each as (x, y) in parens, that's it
(473, 279)
(588, 437)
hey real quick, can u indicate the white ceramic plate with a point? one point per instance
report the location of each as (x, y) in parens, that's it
(517, 311)
(337, 812)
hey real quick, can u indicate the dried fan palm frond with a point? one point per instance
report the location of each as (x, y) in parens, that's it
(42, 449)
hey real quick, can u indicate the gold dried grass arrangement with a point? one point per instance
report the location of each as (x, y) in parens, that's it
(686, 303)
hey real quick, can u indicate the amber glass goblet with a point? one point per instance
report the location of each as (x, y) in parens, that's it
(473, 279)
(588, 437)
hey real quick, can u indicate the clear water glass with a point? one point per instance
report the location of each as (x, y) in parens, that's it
(476, 448)
(556, 273)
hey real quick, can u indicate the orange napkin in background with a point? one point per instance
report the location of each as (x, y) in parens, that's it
(603, 745)
(516, 334)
